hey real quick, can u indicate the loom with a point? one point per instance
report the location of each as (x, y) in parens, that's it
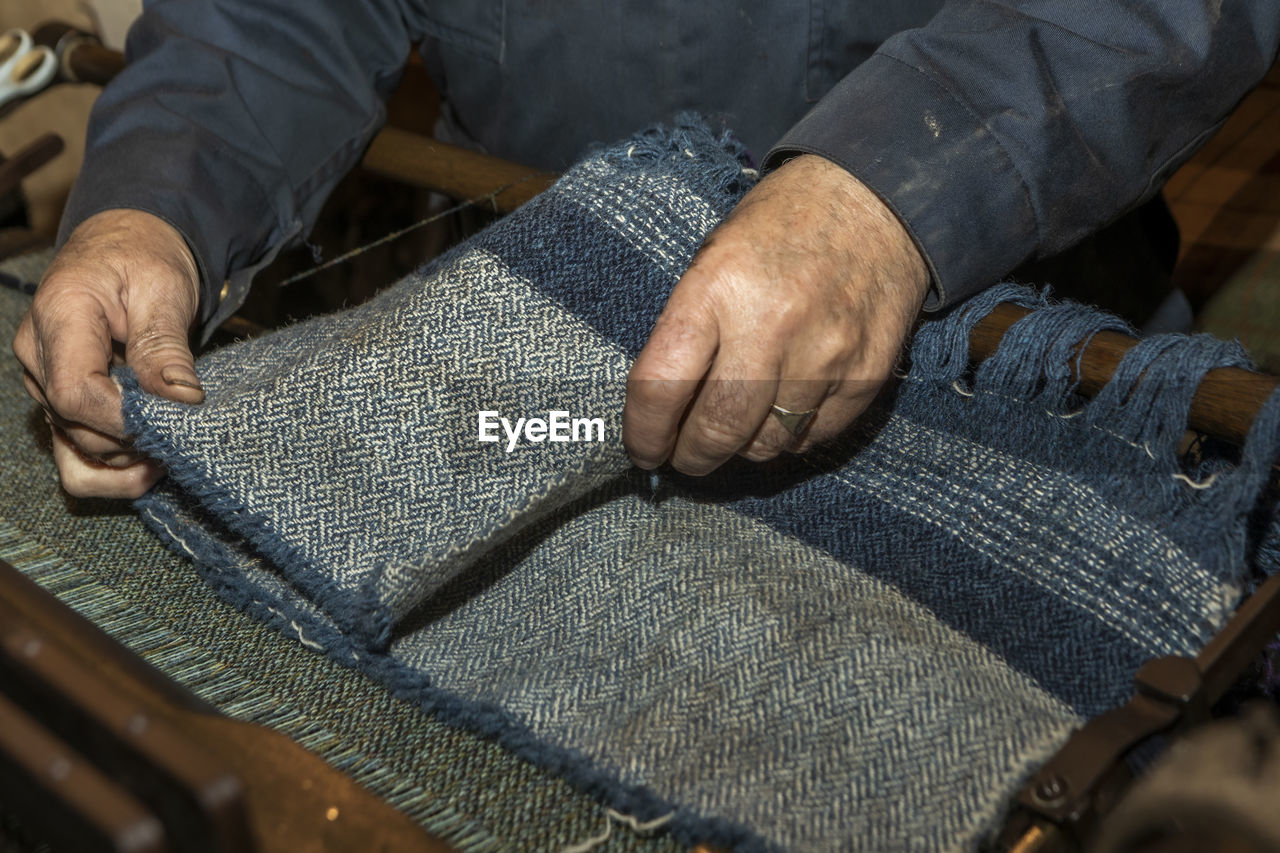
(100, 751)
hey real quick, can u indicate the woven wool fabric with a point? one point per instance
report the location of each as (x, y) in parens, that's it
(868, 648)
(100, 558)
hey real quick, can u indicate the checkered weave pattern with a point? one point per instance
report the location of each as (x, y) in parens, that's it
(868, 648)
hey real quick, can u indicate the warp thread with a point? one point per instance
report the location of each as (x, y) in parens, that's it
(491, 197)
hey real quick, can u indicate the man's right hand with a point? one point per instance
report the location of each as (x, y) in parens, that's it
(124, 285)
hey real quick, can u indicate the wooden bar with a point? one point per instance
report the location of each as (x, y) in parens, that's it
(194, 793)
(120, 714)
(90, 62)
(63, 798)
(457, 172)
(1224, 406)
(28, 158)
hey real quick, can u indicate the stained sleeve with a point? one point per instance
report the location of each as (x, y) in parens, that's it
(1003, 131)
(233, 120)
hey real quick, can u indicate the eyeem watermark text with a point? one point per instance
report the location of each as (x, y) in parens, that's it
(556, 426)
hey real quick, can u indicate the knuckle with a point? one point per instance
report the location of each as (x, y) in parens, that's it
(837, 340)
(760, 451)
(81, 480)
(154, 339)
(24, 347)
(100, 448)
(726, 402)
(772, 440)
(72, 401)
(653, 391)
(710, 439)
(75, 484)
(788, 308)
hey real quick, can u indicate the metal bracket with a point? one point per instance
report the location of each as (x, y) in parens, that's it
(1062, 804)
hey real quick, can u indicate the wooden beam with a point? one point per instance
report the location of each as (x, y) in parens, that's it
(1224, 406)
(458, 172)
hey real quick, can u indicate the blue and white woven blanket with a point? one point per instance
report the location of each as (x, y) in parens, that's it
(867, 649)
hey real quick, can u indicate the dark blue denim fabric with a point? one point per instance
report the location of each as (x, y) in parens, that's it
(867, 648)
(998, 130)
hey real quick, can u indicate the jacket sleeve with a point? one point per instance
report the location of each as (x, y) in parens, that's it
(234, 119)
(1006, 130)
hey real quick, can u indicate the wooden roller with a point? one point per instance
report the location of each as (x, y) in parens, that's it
(1224, 406)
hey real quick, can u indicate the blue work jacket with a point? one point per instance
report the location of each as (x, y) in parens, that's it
(998, 130)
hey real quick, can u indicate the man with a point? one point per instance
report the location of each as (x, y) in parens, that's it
(948, 144)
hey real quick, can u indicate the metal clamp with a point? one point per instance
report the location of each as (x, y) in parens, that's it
(1062, 804)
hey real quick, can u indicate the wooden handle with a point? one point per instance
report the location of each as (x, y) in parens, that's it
(90, 62)
(29, 158)
(81, 56)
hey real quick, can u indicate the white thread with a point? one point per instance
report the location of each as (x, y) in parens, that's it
(751, 173)
(1203, 484)
(959, 390)
(688, 152)
(591, 843)
(631, 150)
(646, 826)
(654, 482)
(302, 639)
(175, 536)
(298, 629)
(640, 827)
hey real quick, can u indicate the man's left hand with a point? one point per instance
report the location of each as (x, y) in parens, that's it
(802, 298)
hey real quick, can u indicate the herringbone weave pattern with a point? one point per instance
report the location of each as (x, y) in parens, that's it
(866, 649)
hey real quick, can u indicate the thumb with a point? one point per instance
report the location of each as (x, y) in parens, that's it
(158, 347)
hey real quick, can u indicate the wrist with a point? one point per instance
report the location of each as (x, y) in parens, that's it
(873, 231)
(125, 236)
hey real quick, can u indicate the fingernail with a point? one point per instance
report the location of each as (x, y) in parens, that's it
(181, 376)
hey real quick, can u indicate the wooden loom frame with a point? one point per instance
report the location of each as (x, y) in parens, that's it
(1169, 694)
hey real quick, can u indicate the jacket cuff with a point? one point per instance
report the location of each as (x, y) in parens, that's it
(150, 172)
(112, 181)
(934, 162)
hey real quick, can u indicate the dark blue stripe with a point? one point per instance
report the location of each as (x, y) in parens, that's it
(599, 277)
(1054, 642)
(589, 269)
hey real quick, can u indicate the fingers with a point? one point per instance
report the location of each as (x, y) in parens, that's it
(843, 404)
(122, 277)
(724, 417)
(800, 396)
(158, 347)
(666, 377)
(96, 446)
(66, 350)
(84, 478)
(802, 300)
